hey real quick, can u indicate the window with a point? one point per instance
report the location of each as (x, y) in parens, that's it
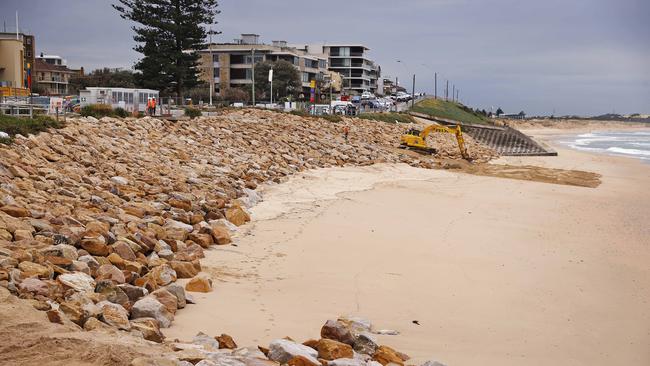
(114, 98)
(305, 77)
(215, 58)
(120, 96)
(322, 64)
(142, 98)
(249, 58)
(216, 72)
(130, 101)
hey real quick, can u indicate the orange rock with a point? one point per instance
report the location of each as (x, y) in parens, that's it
(226, 341)
(237, 215)
(204, 240)
(330, 349)
(301, 361)
(95, 246)
(221, 235)
(183, 205)
(15, 211)
(200, 283)
(386, 355)
(184, 269)
(167, 299)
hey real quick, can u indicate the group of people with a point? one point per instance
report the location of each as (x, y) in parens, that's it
(151, 106)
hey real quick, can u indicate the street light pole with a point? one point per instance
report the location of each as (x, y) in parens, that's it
(413, 95)
(211, 73)
(253, 75)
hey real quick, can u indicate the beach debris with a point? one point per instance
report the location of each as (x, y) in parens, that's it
(416, 322)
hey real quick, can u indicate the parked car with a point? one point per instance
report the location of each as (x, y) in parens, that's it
(367, 95)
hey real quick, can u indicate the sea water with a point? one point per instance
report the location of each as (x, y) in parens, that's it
(631, 144)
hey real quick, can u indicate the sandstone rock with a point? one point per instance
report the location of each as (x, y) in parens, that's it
(123, 249)
(166, 298)
(15, 211)
(150, 307)
(149, 328)
(94, 324)
(330, 349)
(337, 331)
(282, 350)
(31, 269)
(95, 246)
(119, 180)
(366, 344)
(179, 292)
(204, 240)
(302, 361)
(54, 316)
(221, 235)
(34, 286)
(226, 341)
(184, 269)
(23, 235)
(5, 235)
(200, 283)
(134, 293)
(73, 310)
(386, 355)
(78, 281)
(205, 341)
(114, 315)
(110, 272)
(163, 275)
(113, 292)
(90, 261)
(237, 216)
(78, 266)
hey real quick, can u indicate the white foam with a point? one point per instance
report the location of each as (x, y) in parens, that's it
(620, 150)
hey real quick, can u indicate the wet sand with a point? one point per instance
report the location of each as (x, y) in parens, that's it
(497, 271)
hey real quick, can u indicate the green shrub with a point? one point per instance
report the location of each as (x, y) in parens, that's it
(121, 112)
(332, 117)
(97, 110)
(192, 112)
(25, 126)
(300, 112)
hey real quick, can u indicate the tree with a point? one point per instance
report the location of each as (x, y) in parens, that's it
(169, 34)
(499, 111)
(286, 79)
(103, 77)
(236, 95)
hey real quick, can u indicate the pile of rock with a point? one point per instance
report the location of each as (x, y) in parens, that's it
(347, 341)
(100, 218)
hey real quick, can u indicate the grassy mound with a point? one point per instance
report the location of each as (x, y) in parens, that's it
(388, 117)
(449, 110)
(24, 126)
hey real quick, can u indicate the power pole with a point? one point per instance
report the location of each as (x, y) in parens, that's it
(435, 86)
(413, 95)
(211, 73)
(447, 91)
(453, 93)
(253, 75)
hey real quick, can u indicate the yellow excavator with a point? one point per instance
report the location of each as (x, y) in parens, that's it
(416, 139)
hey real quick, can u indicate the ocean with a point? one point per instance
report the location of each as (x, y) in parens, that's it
(630, 144)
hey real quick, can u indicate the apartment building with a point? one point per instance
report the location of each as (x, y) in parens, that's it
(52, 74)
(231, 64)
(16, 56)
(352, 61)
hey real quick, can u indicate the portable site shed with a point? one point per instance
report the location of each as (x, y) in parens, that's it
(132, 100)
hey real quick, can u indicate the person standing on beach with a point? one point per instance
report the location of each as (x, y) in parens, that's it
(346, 132)
(153, 106)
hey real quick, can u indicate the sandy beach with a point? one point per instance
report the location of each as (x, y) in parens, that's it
(496, 271)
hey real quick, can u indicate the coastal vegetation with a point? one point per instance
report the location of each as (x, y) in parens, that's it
(450, 110)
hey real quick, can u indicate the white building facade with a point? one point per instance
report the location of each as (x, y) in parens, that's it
(131, 100)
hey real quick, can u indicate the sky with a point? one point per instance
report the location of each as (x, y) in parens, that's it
(584, 57)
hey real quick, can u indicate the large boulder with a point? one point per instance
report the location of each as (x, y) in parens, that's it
(178, 291)
(134, 293)
(166, 298)
(150, 307)
(112, 292)
(220, 234)
(338, 331)
(386, 355)
(15, 211)
(283, 350)
(226, 341)
(110, 272)
(31, 269)
(34, 286)
(366, 344)
(185, 269)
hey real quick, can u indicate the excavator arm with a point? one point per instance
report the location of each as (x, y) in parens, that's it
(417, 139)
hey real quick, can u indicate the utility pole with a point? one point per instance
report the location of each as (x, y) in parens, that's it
(447, 91)
(413, 95)
(271, 80)
(211, 73)
(253, 75)
(453, 92)
(435, 86)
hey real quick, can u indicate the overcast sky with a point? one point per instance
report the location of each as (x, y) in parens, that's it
(572, 57)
